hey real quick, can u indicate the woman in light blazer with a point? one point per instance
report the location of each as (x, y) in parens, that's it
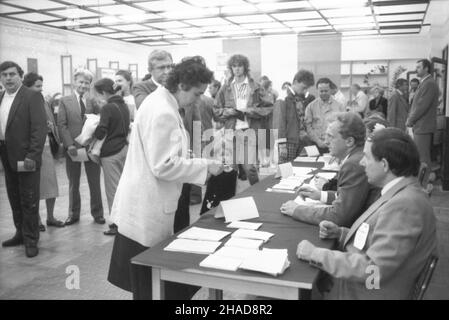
(157, 165)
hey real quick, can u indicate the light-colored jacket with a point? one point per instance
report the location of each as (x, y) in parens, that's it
(401, 237)
(318, 116)
(155, 169)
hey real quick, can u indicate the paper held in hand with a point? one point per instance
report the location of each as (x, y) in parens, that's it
(237, 209)
(81, 156)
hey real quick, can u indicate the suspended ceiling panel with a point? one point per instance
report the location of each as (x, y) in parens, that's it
(175, 21)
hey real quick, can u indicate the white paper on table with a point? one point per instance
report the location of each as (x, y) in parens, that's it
(327, 175)
(244, 243)
(284, 170)
(196, 233)
(236, 253)
(237, 209)
(302, 171)
(244, 225)
(270, 261)
(312, 151)
(252, 234)
(81, 156)
(279, 190)
(219, 262)
(193, 246)
(306, 159)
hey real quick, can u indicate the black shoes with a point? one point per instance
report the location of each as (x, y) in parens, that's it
(17, 240)
(71, 220)
(99, 220)
(55, 223)
(31, 251)
(42, 228)
(112, 230)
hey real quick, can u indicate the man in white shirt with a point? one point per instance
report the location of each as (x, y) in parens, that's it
(23, 129)
(386, 249)
(359, 102)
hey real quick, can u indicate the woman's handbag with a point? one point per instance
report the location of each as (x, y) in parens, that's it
(54, 145)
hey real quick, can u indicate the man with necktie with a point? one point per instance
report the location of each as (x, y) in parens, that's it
(71, 116)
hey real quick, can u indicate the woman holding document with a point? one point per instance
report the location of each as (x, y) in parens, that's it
(156, 167)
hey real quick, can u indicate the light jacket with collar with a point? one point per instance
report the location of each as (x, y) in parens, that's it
(353, 196)
(423, 112)
(155, 169)
(257, 110)
(401, 238)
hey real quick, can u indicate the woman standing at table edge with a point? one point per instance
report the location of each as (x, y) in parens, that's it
(156, 167)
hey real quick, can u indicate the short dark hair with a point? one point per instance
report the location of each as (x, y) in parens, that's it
(190, 72)
(105, 85)
(414, 80)
(325, 81)
(333, 85)
(374, 119)
(240, 60)
(398, 148)
(11, 64)
(304, 76)
(400, 82)
(216, 84)
(426, 64)
(351, 125)
(30, 79)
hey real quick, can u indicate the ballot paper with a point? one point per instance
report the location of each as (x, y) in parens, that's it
(81, 156)
(325, 158)
(244, 243)
(312, 151)
(334, 166)
(219, 262)
(193, 246)
(244, 225)
(326, 175)
(270, 261)
(302, 171)
(285, 170)
(196, 233)
(252, 234)
(305, 159)
(236, 253)
(237, 209)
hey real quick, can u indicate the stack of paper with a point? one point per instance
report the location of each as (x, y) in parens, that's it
(193, 246)
(302, 171)
(312, 151)
(244, 225)
(305, 159)
(228, 258)
(270, 261)
(326, 175)
(196, 233)
(244, 243)
(252, 234)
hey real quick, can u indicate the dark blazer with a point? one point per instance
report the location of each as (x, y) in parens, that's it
(26, 128)
(423, 113)
(380, 105)
(353, 196)
(398, 109)
(141, 90)
(70, 123)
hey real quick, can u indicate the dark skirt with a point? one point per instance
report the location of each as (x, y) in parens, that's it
(137, 278)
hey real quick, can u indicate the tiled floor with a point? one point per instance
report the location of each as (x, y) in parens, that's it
(84, 246)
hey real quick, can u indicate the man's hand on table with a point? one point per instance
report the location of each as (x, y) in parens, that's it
(289, 207)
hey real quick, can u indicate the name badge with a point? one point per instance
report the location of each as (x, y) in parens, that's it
(361, 236)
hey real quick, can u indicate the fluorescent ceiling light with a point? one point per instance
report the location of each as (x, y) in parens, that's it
(168, 25)
(8, 9)
(233, 32)
(215, 3)
(271, 6)
(323, 4)
(171, 36)
(306, 23)
(399, 23)
(398, 17)
(119, 9)
(276, 30)
(109, 20)
(139, 17)
(221, 28)
(190, 13)
(407, 30)
(157, 43)
(246, 8)
(186, 30)
(349, 12)
(35, 4)
(131, 27)
(360, 33)
(118, 35)
(148, 33)
(35, 17)
(208, 22)
(368, 19)
(317, 28)
(165, 5)
(74, 13)
(401, 8)
(94, 30)
(89, 2)
(297, 15)
(269, 25)
(251, 19)
(141, 38)
(355, 26)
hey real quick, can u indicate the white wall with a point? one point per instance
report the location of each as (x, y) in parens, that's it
(20, 40)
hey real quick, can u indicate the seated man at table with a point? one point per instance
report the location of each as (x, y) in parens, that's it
(345, 138)
(385, 250)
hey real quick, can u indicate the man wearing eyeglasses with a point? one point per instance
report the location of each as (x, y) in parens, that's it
(160, 63)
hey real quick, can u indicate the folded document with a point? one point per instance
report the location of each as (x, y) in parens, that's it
(193, 246)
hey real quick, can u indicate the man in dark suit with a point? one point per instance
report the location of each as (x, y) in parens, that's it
(23, 128)
(345, 138)
(72, 110)
(423, 112)
(160, 63)
(398, 106)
